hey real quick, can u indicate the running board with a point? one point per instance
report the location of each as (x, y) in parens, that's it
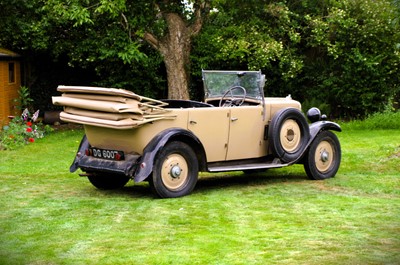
(239, 165)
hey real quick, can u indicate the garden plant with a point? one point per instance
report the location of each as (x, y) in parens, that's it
(22, 130)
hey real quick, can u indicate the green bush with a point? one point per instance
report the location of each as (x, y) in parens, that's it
(353, 56)
(385, 120)
(344, 54)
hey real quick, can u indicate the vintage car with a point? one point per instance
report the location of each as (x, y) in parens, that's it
(167, 142)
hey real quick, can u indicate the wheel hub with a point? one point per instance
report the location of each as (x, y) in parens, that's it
(290, 136)
(324, 156)
(175, 171)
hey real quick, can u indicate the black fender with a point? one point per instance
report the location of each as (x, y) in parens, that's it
(146, 162)
(315, 128)
(318, 126)
(81, 151)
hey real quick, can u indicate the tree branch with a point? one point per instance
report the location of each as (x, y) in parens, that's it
(201, 10)
(125, 25)
(152, 40)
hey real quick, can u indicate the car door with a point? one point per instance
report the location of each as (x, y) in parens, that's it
(246, 133)
(211, 126)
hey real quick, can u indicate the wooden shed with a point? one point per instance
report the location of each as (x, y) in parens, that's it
(10, 82)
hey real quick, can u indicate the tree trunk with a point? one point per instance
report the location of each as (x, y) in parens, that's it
(175, 49)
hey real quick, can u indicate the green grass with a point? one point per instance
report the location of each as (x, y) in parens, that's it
(385, 120)
(49, 216)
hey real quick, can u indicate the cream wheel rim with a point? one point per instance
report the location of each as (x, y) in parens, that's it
(174, 172)
(290, 136)
(324, 156)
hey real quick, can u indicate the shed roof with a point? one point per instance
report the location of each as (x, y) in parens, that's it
(6, 55)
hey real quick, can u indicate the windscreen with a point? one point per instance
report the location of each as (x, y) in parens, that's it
(216, 83)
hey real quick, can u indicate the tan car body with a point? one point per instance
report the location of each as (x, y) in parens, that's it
(167, 142)
(221, 135)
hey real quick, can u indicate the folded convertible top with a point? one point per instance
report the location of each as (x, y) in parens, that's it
(108, 107)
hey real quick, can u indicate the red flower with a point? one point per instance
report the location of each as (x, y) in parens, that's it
(29, 129)
(29, 123)
(31, 140)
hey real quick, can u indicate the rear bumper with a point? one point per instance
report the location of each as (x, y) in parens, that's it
(126, 167)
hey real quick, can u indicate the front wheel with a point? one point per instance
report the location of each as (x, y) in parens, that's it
(175, 171)
(322, 160)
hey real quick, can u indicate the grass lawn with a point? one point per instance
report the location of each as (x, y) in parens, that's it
(49, 216)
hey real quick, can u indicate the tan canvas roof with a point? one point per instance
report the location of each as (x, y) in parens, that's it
(98, 91)
(108, 107)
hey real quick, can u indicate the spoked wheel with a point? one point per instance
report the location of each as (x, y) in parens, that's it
(323, 158)
(105, 181)
(175, 171)
(289, 133)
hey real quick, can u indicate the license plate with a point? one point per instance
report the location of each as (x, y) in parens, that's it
(107, 154)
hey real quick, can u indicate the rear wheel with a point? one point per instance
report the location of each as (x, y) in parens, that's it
(323, 158)
(105, 181)
(175, 171)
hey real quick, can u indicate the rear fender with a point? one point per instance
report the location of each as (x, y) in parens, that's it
(146, 162)
(81, 151)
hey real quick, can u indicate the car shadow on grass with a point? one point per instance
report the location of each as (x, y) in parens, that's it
(210, 182)
(133, 190)
(243, 180)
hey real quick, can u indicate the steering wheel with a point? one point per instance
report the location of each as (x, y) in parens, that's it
(230, 100)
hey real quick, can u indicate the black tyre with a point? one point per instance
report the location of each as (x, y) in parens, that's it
(175, 171)
(289, 134)
(105, 181)
(322, 160)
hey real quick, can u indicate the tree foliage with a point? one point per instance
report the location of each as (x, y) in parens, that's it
(58, 50)
(354, 48)
(341, 55)
(167, 26)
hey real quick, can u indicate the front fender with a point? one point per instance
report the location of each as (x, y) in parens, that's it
(318, 126)
(146, 162)
(315, 128)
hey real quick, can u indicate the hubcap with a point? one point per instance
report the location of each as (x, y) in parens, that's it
(290, 136)
(174, 172)
(324, 156)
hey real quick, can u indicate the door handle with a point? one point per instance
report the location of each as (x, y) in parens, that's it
(234, 119)
(193, 122)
